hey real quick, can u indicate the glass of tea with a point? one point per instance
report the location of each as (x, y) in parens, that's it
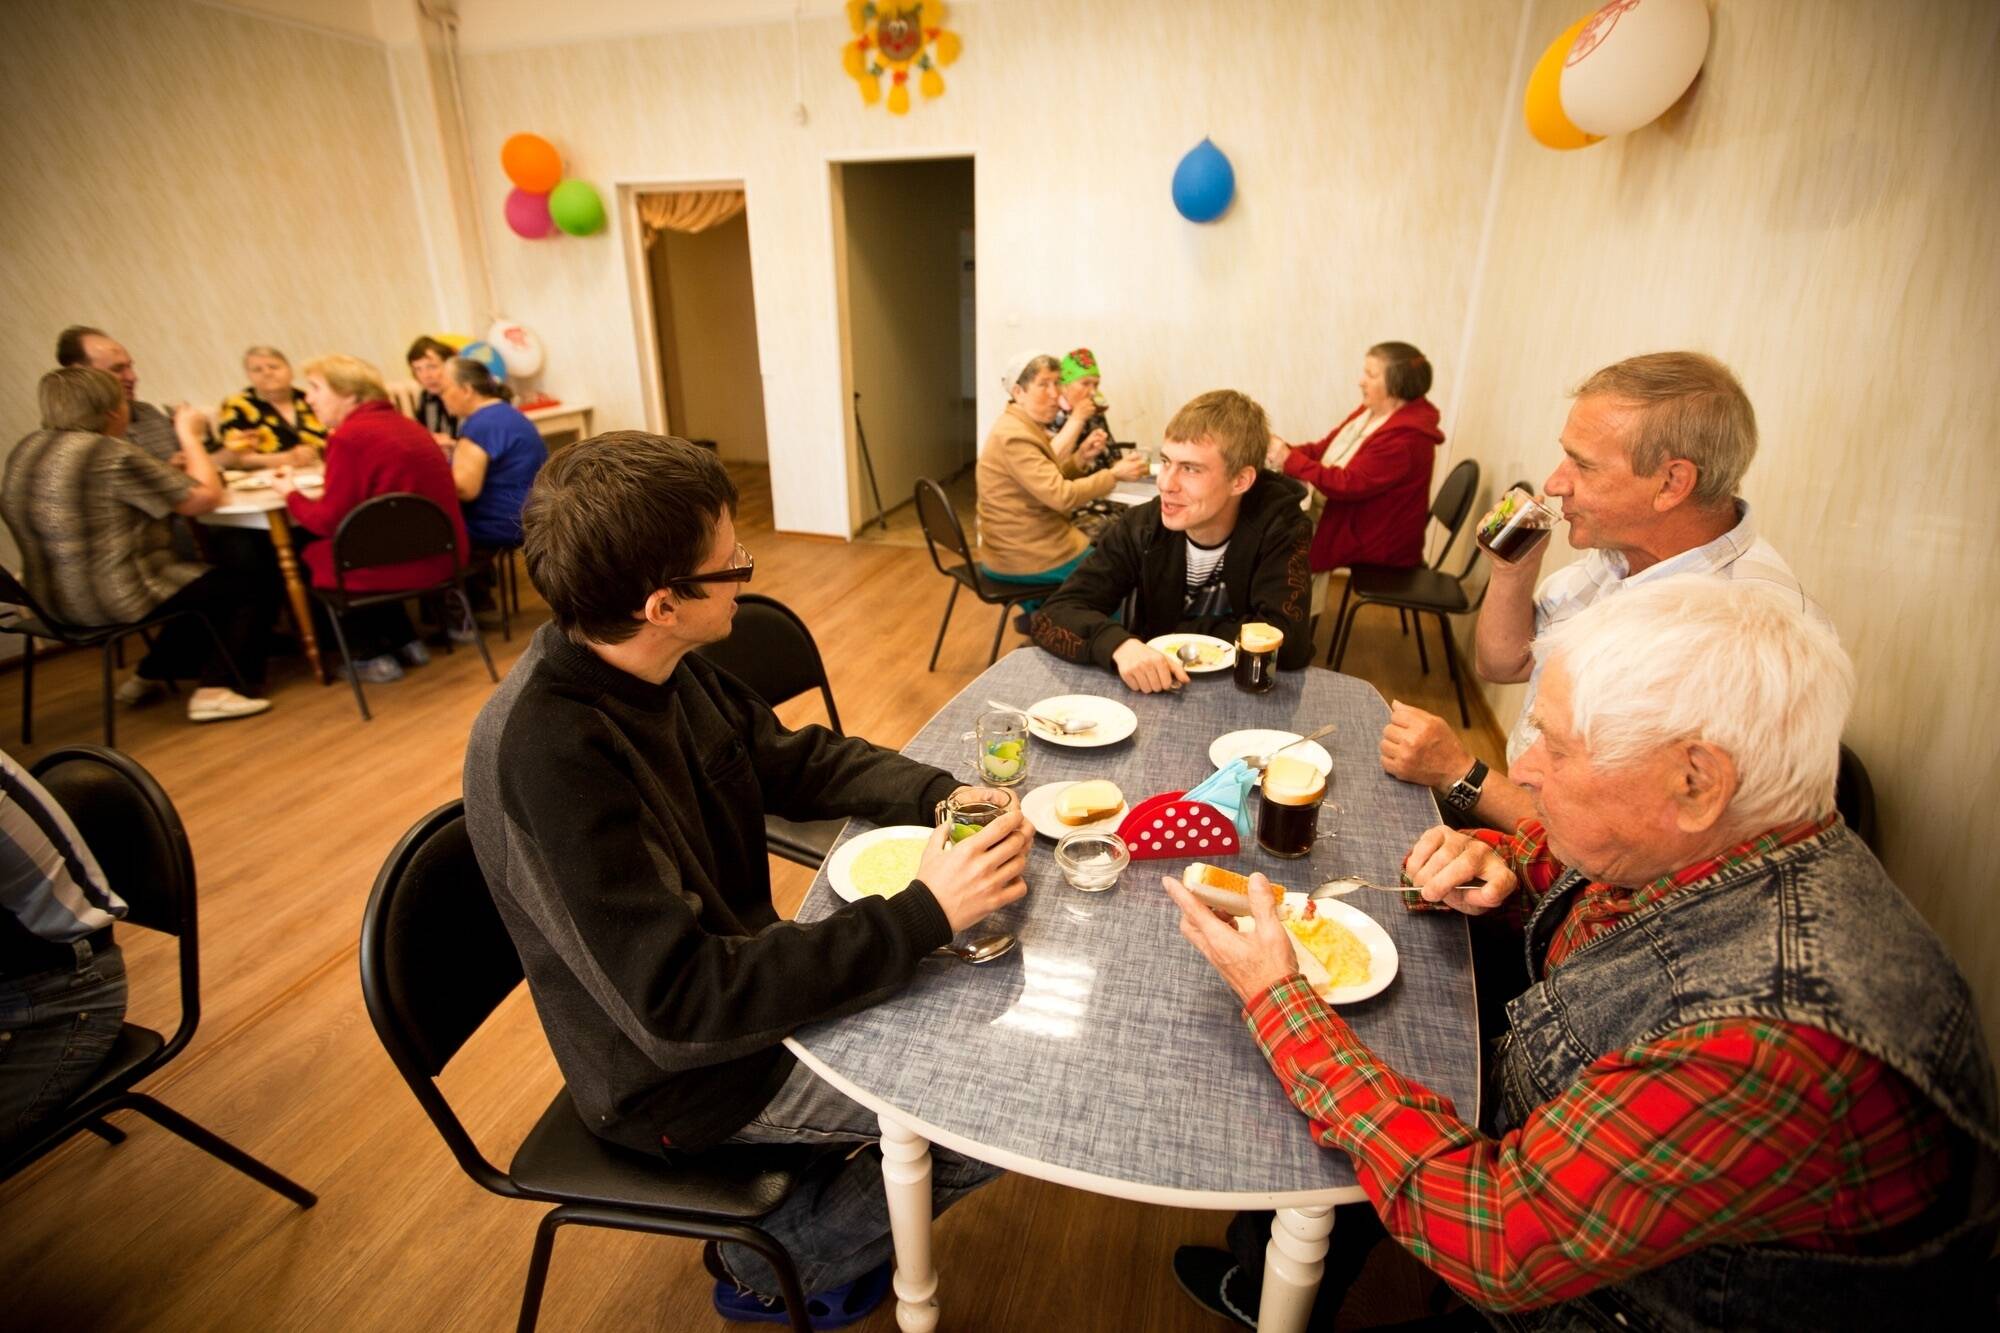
(1515, 526)
(1257, 647)
(1000, 748)
(965, 814)
(1288, 813)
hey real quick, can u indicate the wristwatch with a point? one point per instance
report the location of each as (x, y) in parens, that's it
(1464, 793)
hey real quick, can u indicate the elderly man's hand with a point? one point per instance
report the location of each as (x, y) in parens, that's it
(1420, 747)
(1147, 670)
(1445, 863)
(1251, 962)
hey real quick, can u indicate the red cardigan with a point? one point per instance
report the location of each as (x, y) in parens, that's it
(375, 451)
(1376, 506)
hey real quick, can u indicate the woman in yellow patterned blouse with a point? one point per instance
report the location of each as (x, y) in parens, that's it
(269, 424)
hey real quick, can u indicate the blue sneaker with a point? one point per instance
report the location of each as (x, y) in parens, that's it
(836, 1307)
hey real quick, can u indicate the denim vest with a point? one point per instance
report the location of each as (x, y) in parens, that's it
(1814, 934)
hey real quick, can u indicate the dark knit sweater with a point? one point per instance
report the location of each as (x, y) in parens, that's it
(621, 827)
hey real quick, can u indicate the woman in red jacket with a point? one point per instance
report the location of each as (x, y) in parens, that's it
(372, 450)
(1374, 468)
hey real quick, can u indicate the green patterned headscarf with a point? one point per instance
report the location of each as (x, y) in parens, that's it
(1079, 364)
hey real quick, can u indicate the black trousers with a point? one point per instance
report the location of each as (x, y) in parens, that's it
(372, 631)
(183, 650)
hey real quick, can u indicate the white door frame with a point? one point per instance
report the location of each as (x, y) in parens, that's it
(639, 279)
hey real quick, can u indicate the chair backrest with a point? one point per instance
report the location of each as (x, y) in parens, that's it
(942, 528)
(405, 394)
(1854, 796)
(770, 649)
(436, 961)
(132, 829)
(14, 593)
(1453, 502)
(392, 529)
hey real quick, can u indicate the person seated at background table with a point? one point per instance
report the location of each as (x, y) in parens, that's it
(62, 977)
(1078, 379)
(269, 423)
(373, 450)
(1030, 483)
(1224, 543)
(427, 357)
(147, 426)
(493, 462)
(1374, 468)
(615, 791)
(1747, 1086)
(88, 511)
(1654, 452)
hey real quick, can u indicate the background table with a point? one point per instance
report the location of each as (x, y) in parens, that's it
(264, 509)
(1105, 1053)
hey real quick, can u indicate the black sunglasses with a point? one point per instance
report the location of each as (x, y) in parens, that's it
(736, 573)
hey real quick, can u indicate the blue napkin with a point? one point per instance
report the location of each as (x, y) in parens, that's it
(1228, 790)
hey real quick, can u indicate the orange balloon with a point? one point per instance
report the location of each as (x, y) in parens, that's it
(532, 163)
(1547, 121)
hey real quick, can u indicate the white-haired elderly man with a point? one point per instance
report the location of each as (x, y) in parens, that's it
(1654, 451)
(1745, 1088)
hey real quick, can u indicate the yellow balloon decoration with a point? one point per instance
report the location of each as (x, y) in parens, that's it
(894, 37)
(1546, 119)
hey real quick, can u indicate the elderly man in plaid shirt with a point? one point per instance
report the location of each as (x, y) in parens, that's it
(1745, 1087)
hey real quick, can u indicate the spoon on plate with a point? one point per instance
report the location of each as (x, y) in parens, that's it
(1062, 726)
(1189, 653)
(1260, 761)
(982, 950)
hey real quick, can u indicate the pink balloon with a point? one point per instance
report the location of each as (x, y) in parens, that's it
(528, 214)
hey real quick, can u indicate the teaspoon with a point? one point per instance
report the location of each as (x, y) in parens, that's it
(983, 950)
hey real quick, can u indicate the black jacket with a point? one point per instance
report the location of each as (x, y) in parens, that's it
(1264, 573)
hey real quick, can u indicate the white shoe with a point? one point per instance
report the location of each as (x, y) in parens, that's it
(463, 628)
(379, 670)
(219, 705)
(139, 690)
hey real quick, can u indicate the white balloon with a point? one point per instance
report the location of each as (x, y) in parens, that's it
(520, 349)
(1631, 62)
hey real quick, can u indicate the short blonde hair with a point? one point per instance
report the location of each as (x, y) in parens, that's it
(1691, 406)
(348, 375)
(265, 349)
(79, 398)
(1232, 421)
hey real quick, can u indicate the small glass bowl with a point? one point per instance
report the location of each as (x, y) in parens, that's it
(1092, 862)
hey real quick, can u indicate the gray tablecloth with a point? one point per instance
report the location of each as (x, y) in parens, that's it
(1105, 1046)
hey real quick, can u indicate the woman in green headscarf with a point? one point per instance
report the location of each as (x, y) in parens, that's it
(1079, 383)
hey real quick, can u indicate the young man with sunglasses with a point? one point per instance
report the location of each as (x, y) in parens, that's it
(615, 788)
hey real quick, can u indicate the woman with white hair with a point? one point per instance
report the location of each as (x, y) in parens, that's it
(269, 423)
(1746, 1087)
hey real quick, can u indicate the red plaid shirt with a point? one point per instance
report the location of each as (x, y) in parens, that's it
(1727, 1132)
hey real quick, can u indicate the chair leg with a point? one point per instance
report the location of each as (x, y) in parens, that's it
(1403, 619)
(1423, 658)
(218, 1147)
(1451, 664)
(105, 1130)
(1341, 631)
(538, 1270)
(110, 709)
(1339, 617)
(478, 634)
(27, 689)
(999, 632)
(944, 624)
(347, 660)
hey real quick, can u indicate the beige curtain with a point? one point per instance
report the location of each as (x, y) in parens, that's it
(687, 210)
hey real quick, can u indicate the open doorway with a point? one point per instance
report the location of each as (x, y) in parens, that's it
(903, 247)
(709, 384)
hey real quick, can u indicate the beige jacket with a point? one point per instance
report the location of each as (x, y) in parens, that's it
(1026, 496)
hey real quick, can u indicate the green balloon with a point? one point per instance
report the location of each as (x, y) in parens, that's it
(575, 208)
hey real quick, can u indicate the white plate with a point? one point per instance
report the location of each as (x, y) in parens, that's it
(840, 866)
(1228, 748)
(251, 481)
(1382, 960)
(1039, 806)
(1168, 643)
(1114, 720)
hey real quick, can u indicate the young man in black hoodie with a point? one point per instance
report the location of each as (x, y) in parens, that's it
(1226, 542)
(615, 790)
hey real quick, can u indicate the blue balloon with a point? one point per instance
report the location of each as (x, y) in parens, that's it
(486, 354)
(1204, 183)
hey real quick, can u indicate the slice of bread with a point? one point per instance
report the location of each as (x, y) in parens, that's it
(1224, 890)
(1086, 802)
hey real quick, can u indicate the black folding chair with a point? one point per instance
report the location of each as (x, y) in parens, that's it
(436, 961)
(21, 614)
(770, 650)
(1426, 588)
(390, 530)
(497, 563)
(942, 528)
(136, 836)
(1854, 796)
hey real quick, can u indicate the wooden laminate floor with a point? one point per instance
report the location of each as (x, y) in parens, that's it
(290, 816)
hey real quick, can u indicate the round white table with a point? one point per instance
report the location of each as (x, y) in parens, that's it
(1104, 1053)
(264, 510)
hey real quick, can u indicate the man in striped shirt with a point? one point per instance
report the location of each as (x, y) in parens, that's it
(62, 980)
(1746, 1086)
(1653, 455)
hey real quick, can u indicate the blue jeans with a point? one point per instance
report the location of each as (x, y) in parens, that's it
(835, 1225)
(56, 1028)
(1056, 575)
